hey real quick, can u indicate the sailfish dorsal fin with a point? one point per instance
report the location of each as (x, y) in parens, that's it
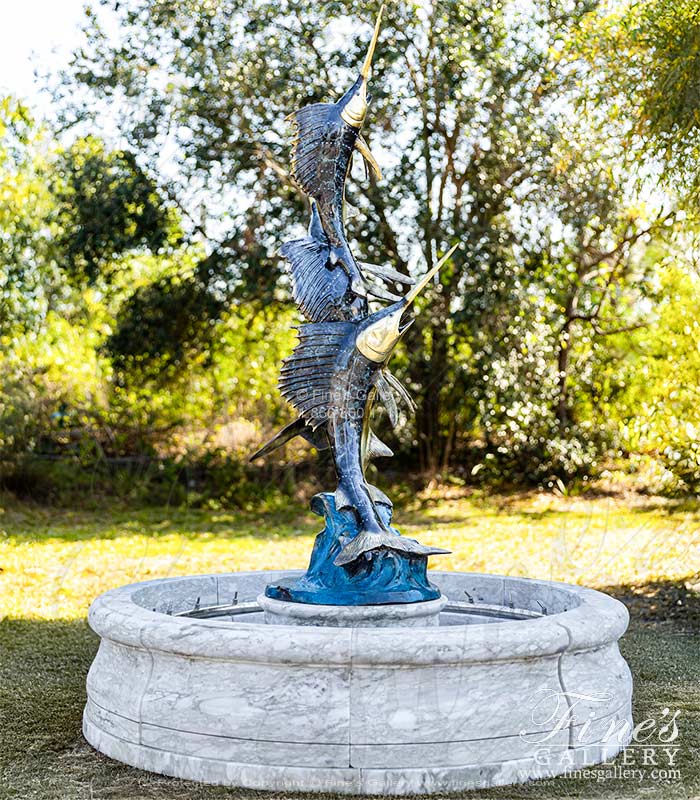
(318, 289)
(310, 123)
(307, 373)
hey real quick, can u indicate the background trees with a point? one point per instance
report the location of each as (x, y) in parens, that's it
(644, 60)
(501, 127)
(26, 259)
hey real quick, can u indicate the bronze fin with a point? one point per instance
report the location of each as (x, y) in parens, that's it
(363, 149)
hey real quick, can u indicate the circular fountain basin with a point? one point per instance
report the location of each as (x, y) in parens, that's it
(520, 679)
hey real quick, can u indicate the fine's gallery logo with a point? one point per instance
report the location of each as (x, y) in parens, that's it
(573, 729)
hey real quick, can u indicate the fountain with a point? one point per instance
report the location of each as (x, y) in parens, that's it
(366, 674)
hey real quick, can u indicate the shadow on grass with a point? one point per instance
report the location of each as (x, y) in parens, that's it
(31, 523)
(43, 666)
(36, 523)
(664, 602)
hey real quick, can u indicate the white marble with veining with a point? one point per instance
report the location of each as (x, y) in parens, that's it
(359, 710)
(404, 615)
(269, 702)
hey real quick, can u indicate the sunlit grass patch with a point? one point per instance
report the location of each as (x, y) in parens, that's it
(55, 562)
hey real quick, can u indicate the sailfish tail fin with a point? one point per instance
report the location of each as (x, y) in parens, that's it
(365, 542)
(297, 428)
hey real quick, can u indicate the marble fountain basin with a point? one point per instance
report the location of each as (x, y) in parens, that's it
(520, 679)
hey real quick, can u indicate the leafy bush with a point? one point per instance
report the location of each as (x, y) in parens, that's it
(660, 409)
(214, 480)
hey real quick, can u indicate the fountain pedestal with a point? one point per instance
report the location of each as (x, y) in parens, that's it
(401, 615)
(521, 679)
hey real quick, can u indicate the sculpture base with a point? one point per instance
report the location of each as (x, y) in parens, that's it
(380, 577)
(402, 615)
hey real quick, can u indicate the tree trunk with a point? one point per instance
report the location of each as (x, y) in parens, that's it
(563, 409)
(432, 440)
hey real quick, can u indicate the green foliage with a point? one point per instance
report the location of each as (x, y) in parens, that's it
(660, 409)
(86, 479)
(63, 393)
(163, 323)
(105, 206)
(525, 441)
(28, 271)
(144, 313)
(645, 60)
(49, 382)
(218, 400)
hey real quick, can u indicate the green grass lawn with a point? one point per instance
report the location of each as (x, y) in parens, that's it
(54, 562)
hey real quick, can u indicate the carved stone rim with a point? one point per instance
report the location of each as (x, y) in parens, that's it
(591, 620)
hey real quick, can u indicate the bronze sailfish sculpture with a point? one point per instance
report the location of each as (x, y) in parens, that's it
(327, 136)
(339, 365)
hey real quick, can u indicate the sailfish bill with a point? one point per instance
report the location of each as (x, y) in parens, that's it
(423, 282)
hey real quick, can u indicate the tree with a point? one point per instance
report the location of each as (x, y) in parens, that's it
(551, 377)
(67, 214)
(27, 265)
(644, 61)
(73, 220)
(105, 206)
(472, 105)
(660, 404)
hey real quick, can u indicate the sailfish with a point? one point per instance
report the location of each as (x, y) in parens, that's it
(326, 137)
(331, 379)
(339, 366)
